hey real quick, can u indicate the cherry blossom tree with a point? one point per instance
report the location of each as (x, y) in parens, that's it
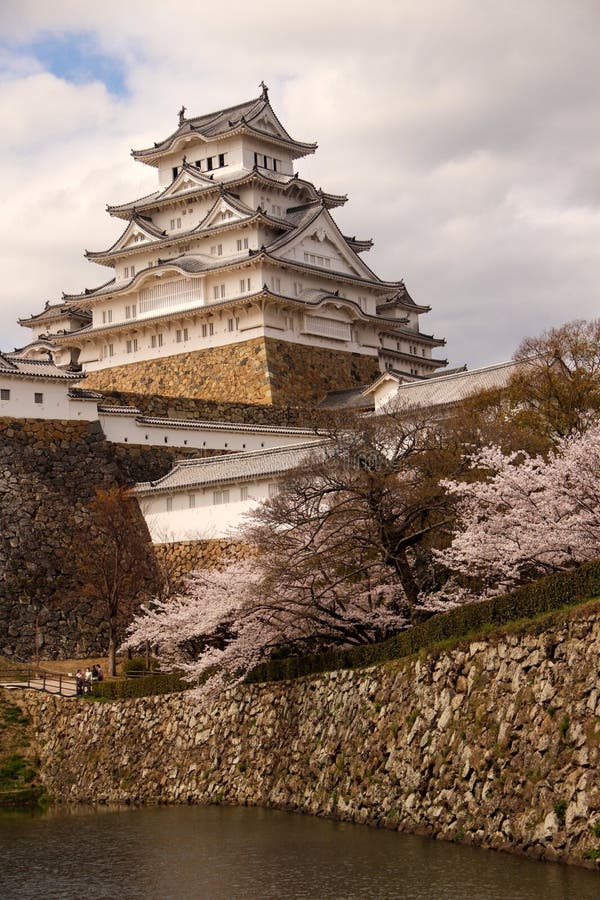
(530, 514)
(363, 511)
(225, 623)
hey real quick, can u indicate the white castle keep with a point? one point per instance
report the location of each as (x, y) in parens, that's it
(235, 262)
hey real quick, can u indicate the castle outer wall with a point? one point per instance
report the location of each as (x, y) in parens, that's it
(259, 371)
(493, 742)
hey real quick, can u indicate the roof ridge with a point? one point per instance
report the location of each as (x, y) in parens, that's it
(244, 454)
(465, 374)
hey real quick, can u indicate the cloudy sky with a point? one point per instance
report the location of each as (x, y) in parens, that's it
(465, 132)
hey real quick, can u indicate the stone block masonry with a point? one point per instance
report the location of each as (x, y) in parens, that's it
(258, 371)
(218, 411)
(495, 742)
(180, 558)
(49, 471)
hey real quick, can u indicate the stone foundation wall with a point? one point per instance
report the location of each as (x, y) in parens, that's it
(303, 375)
(259, 371)
(216, 411)
(182, 557)
(50, 470)
(494, 742)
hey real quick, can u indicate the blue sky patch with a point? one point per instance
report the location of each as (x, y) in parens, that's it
(77, 58)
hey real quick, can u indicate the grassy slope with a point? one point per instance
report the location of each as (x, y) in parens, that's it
(19, 782)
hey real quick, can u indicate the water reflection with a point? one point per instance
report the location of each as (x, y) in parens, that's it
(221, 853)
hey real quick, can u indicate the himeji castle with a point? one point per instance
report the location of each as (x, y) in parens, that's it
(233, 282)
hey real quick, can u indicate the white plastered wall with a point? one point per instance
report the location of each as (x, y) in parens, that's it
(206, 519)
(55, 402)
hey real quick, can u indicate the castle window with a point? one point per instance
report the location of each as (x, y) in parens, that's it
(204, 330)
(297, 288)
(156, 340)
(245, 285)
(186, 335)
(220, 497)
(276, 284)
(191, 501)
(174, 171)
(209, 164)
(178, 335)
(273, 490)
(211, 328)
(222, 159)
(172, 224)
(38, 398)
(129, 346)
(4, 394)
(218, 291)
(111, 349)
(179, 223)
(169, 504)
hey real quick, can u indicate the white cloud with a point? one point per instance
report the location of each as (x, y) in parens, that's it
(465, 134)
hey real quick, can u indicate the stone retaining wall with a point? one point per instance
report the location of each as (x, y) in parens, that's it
(258, 371)
(180, 558)
(49, 470)
(216, 410)
(495, 742)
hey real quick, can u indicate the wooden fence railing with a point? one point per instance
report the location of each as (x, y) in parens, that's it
(39, 680)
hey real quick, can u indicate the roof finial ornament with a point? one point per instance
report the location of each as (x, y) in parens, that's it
(182, 115)
(265, 91)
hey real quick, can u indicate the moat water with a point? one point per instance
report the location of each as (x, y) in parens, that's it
(224, 853)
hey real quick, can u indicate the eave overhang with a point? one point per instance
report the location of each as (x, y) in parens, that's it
(109, 258)
(76, 338)
(161, 198)
(191, 130)
(411, 335)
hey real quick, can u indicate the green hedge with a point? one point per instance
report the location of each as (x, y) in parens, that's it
(144, 686)
(526, 602)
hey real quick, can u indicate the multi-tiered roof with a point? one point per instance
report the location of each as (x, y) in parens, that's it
(232, 228)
